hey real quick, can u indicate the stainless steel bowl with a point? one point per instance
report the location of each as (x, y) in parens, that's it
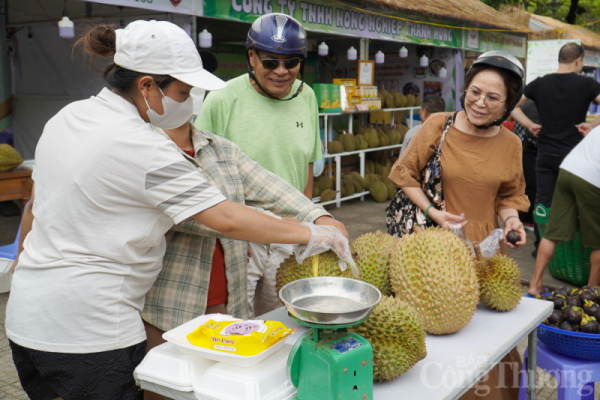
(329, 300)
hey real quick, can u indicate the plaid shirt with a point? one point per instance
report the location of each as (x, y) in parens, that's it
(181, 289)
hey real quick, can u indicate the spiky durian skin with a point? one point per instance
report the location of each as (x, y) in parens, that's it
(290, 270)
(434, 272)
(372, 254)
(499, 282)
(397, 335)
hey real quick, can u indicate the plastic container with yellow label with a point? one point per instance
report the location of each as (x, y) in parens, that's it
(244, 338)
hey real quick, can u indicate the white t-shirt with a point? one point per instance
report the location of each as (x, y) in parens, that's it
(584, 160)
(107, 189)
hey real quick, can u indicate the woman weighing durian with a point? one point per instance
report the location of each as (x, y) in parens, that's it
(107, 189)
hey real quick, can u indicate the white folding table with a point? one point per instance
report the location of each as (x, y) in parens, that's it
(454, 362)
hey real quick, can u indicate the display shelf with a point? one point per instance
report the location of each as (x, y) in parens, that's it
(354, 196)
(349, 153)
(328, 129)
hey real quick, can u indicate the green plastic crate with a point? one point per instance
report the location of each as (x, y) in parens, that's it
(571, 261)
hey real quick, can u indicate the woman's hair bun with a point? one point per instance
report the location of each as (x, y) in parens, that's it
(100, 41)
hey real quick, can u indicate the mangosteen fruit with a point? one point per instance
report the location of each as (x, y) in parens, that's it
(563, 290)
(589, 325)
(513, 237)
(596, 315)
(573, 301)
(573, 316)
(559, 301)
(587, 295)
(556, 318)
(589, 307)
(542, 297)
(566, 326)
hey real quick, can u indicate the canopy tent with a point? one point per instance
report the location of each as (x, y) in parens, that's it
(471, 13)
(46, 73)
(589, 39)
(34, 12)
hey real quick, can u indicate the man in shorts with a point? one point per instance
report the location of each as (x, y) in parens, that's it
(562, 99)
(575, 200)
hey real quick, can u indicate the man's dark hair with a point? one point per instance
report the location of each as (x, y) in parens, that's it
(433, 104)
(569, 53)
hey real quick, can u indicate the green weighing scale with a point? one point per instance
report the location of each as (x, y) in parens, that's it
(328, 362)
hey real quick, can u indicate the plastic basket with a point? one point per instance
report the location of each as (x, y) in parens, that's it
(585, 346)
(571, 260)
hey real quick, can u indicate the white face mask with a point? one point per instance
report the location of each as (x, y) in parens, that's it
(197, 95)
(175, 114)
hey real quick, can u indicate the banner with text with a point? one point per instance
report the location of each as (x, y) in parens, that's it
(190, 7)
(323, 16)
(489, 41)
(542, 57)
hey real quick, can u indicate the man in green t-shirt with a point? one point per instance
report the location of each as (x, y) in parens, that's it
(274, 118)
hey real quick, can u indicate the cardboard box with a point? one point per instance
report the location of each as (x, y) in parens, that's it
(335, 97)
(323, 95)
(350, 85)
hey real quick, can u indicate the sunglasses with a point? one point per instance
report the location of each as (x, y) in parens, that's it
(273, 63)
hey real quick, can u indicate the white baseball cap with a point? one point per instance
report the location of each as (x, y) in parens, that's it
(163, 48)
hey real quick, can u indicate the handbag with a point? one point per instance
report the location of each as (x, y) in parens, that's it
(402, 214)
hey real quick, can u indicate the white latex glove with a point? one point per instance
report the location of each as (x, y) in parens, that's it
(325, 238)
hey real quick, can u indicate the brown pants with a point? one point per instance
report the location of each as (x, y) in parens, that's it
(501, 383)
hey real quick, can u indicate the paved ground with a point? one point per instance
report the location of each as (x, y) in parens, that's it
(359, 217)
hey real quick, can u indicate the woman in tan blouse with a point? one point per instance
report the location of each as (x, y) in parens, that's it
(482, 175)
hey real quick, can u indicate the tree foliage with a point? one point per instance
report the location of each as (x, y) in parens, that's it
(574, 12)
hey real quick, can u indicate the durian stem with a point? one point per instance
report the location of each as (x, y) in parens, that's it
(315, 262)
(477, 251)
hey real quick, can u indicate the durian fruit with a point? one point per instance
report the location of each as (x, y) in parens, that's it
(361, 143)
(396, 333)
(386, 162)
(371, 137)
(327, 195)
(290, 270)
(369, 167)
(347, 186)
(372, 253)
(383, 139)
(335, 147)
(499, 281)
(325, 182)
(397, 99)
(316, 190)
(385, 172)
(386, 97)
(391, 188)
(359, 182)
(417, 101)
(410, 100)
(433, 271)
(9, 158)
(402, 102)
(402, 129)
(370, 179)
(356, 176)
(394, 136)
(349, 142)
(378, 191)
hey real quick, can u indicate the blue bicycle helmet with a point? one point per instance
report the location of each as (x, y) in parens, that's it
(279, 34)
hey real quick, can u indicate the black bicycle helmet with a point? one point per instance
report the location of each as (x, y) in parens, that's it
(506, 61)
